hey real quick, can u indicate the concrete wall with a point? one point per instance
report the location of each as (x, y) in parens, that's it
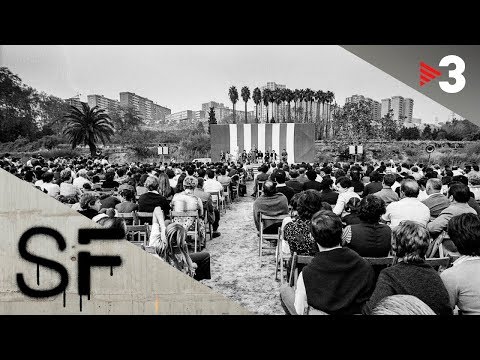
(143, 284)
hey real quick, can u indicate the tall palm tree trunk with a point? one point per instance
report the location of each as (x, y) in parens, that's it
(256, 113)
(246, 112)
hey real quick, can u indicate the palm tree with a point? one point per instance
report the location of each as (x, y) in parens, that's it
(267, 93)
(272, 100)
(88, 126)
(296, 98)
(329, 99)
(289, 96)
(307, 96)
(278, 100)
(257, 98)
(245, 96)
(233, 95)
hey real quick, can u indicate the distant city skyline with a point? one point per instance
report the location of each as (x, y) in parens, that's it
(185, 77)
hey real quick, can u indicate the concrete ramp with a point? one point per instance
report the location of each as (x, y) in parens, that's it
(44, 267)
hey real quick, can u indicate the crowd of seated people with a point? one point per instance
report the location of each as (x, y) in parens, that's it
(396, 210)
(366, 210)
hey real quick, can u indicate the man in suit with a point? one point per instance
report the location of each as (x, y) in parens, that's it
(150, 200)
(296, 185)
(436, 201)
(281, 186)
(312, 183)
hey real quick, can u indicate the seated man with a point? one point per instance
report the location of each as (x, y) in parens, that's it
(296, 185)
(271, 203)
(150, 200)
(458, 194)
(387, 194)
(262, 176)
(338, 281)
(280, 177)
(436, 201)
(312, 183)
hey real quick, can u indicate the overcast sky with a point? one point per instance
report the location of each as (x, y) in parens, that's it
(182, 77)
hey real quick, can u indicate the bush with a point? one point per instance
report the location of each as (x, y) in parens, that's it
(60, 153)
(472, 149)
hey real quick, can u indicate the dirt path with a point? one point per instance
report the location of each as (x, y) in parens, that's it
(235, 263)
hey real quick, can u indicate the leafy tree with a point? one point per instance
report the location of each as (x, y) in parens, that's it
(211, 118)
(88, 126)
(388, 127)
(257, 99)
(18, 108)
(289, 97)
(233, 95)
(245, 96)
(427, 133)
(354, 123)
(329, 97)
(411, 133)
(126, 119)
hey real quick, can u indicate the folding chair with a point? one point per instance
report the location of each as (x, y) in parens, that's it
(226, 195)
(260, 188)
(262, 236)
(131, 218)
(140, 231)
(145, 217)
(439, 264)
(216, 199)
(297, 260)
(190, 214)
(280, 259)
(208, 225)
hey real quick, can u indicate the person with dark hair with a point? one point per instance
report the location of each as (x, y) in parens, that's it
(179, 188)
(375, 184)
(293, 183)
(411, 275)
(369, 238)
(358, 185)
(408, 208)
(462, 280)
(109, 183)
(270, 203)
(151, 199)
(352, 207)
(90, 205)
(338, 281)
(327, 194)
(51, 188)
(387, 194)
(280, 178)
(261, 176)
(471, 201)
(345, 190)
(458, 194)
(312, 183)
(128, 204)
(435, 200)
(297, 232)
(212, 213)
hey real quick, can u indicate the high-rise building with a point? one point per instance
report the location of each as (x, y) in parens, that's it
(398, 108)
(272, 107)
(386, 106)
(178, 117)
(375, 105)
(75, 101)
(402, 108)
(150, 112)
(408, 110)
(103, 103)
(354, 98)
(206, 106)
(221, 111)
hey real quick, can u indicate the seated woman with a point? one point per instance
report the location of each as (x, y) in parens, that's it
(67, 189)
(411, 275)
(462, 280)
(297, 232)
(140, 188)
(369, 238)
(90, 205)
(187, 201)
(352, 207)
(164, 187)
(169, 240)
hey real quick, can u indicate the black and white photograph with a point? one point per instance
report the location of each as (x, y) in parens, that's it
(272, 179)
